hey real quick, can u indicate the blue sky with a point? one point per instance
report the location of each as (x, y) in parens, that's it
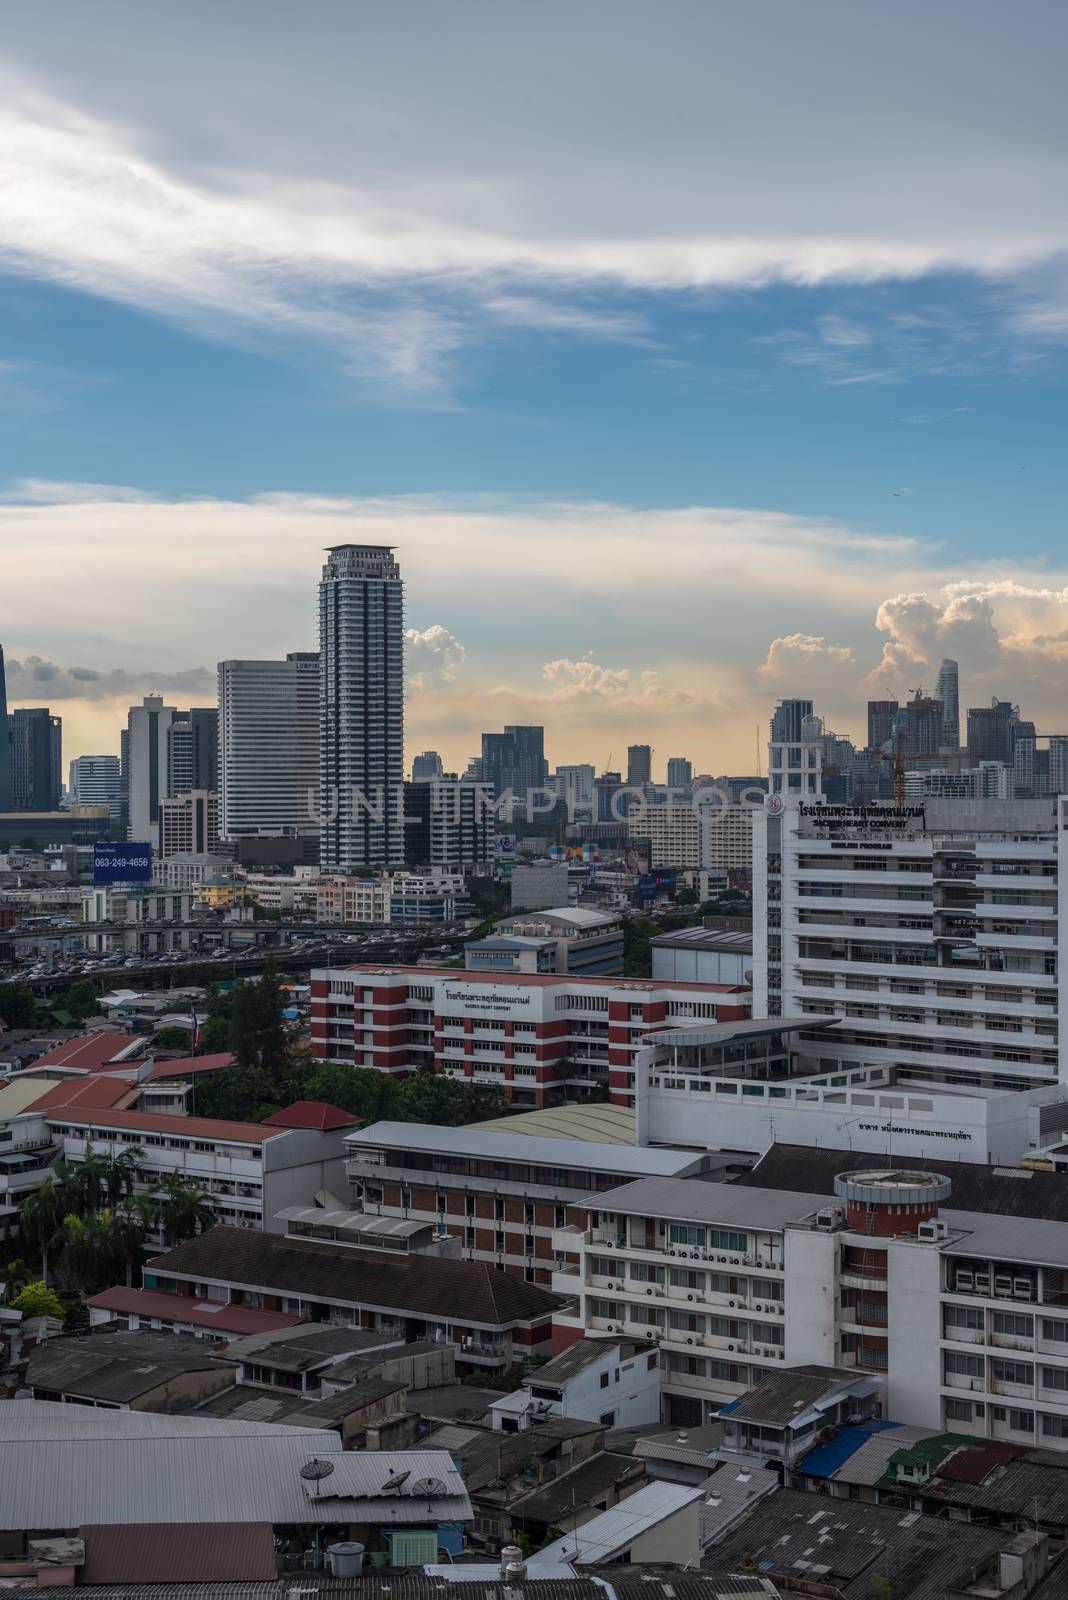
(680, 361)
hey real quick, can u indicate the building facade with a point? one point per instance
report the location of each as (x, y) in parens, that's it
(146, 767)
(448, 824)
(532, 1036)
(361, 709)
(189, 824)
(96, 781)
(36, 745)
(269, 742)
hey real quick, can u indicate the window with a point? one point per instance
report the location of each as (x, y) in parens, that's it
(1055, 1331)
(1055, 1427)
(1022, 1421)
(1021, 1372)
(722, 1239)
(604, 1380)
(959, 1410)
(644, 1272)
(964, 1366)
(1010, 1322)
(964, 1317)
(651, 1361)
(685, 1233)
(608, 1418)
(1055, 1378)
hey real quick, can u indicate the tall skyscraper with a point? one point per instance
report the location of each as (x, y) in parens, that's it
(5, 742)
(193, 751)
(514, 759)
(361, 720)
(924, 722)
(36, 746)
(786, 721)
(96, 781)
(947, 689)
(268, 746)
(145, 776)
(679, 772)
(639, 765)
(574, 784)
(990, 731)
(881, 715)
(427, 765)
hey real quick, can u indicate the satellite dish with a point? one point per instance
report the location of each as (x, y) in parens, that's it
(433, 1488)
(315, 1470)
(396, 1480)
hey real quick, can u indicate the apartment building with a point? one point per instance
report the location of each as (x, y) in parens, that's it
(189, 823)
(250, 1171)
(500, 1195)
(350, 899)
(962, 1314)
(930, 933)
(587, 942)
(534, 1036)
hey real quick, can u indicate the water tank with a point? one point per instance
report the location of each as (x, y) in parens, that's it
(346, 1560)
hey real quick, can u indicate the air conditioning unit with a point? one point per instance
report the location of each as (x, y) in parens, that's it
(982, 1283)
(1002, 1285)
(689, 1297)
(695, 1255)
(828, 1218)
(673, 1252)
(689, 1341)
(648, 1291)
(1023, 1287)
(964, 1280)
(758, 1308)
(933, 1229)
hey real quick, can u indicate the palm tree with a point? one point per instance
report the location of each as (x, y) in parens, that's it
(119, 1173)
(184, 1209)
(41, 1219)
(86, 1249)
(127, 1227)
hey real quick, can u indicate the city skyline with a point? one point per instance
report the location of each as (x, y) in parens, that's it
(665, 414)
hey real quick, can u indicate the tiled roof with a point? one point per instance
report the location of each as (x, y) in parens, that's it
(191, 1066)
(97, 1091)
(118, 1367)
(89, 1051)
(175, 1127)
(312, 1114)
(463, 1291)
(228, 1320)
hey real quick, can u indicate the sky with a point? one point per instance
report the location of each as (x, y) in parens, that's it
(690, 356)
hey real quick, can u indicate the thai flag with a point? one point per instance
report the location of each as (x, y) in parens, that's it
(195, 1031)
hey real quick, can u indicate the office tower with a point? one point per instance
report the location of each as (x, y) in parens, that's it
(639, 765)
(606, 806)
(146, 766)
(428, 765)
(36, 746)
(947, 689)
(881, 714)
(514, 759)
(574, 785)
(268, 746)
(787, 719)
(361, 720)
(679, 772)
(924, 720)
(189, 823)
(193, 750)
(447, 824)
(990, 732)
(5, 742)
(97, 781)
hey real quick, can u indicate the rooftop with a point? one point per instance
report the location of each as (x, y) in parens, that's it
(304, 1347)
(610, 1534)
(692, 1200)
(575, 1359)
(636, 986)
(118, 1367)
(699, 1033)
(595, 1122)
(227, 1319)
(90, 1051)
(312, 1114)
(581, 916)
(166, 1123)
(729, 941)
(191, 1066)
(580, 1487)
(112, 1470)
(484, 1144)
(93, 1091)
(782, 1397)
(426, 1285)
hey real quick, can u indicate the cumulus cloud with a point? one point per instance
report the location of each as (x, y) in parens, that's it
(33, 677)
(433, 657)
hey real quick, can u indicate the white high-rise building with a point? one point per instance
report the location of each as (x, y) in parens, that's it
(268, 746)
(96, 781)
(947, 690)
(361, 722)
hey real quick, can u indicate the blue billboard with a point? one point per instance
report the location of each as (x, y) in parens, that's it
(128, 862)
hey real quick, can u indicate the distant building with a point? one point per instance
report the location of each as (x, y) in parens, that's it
(96, 781)
(536, 888)
(991, 731)
(361, 655)
(5, 742)
(36, 745)
(427, 765)
(514, 760)
(193, 750)
(340, 898)
(679, 772)
(586, 941)
(924, 719)
(189, 824)
(146, 765)
(639, 765)
(787, 719)
(574, 784)
(447, 824)
(881, 720)
(269, 746)
(947, 689)
(703, 955)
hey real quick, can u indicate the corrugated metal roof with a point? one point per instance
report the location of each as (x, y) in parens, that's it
(207, 1471)
(119, 1367)
(312, 1114)
(215, 1314)
(174, 1127)
(478, 1144)
(609, 1534)
(598, 1123)
(825, 1460)
(179, 1552)
(89, 1050)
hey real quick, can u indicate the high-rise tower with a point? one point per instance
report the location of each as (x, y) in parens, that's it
(947, 690)
(361, 708)
(5, 742)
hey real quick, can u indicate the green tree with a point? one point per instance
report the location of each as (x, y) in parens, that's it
(686, 897)
(82, 1000)
(38, 1300)
(184, 1209)
(173, 1039)
(431, 1097)
(18, 1008)
(41, 1220)
(120, 1173)
(85, 1257)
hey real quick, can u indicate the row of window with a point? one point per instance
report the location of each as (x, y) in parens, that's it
(1002, 1370)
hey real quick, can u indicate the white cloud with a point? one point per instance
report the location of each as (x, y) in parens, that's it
(33, 678)
(432, 657)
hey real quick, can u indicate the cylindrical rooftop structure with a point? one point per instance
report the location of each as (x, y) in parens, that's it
(888, 1200)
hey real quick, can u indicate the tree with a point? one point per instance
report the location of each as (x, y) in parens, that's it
(686, 897)
(82, 1000)
(184, 1210)
(42, 1216)
(38, 1300)
(431, 1097)
(120, 1173)
(86, 1251)
(18, 1008)
(172, 1039)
